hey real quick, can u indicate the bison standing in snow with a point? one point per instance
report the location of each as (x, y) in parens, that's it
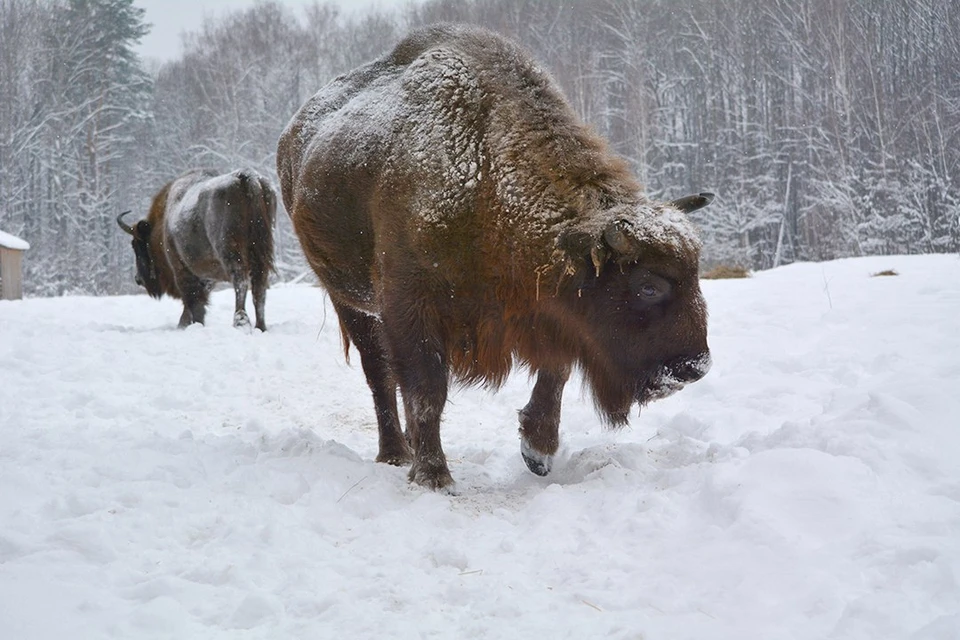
(204, 228)
(462, 218)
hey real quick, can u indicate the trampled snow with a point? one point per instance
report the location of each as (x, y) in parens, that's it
(213, 483)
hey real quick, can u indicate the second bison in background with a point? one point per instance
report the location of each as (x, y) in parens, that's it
(461, 217)
(204, 228)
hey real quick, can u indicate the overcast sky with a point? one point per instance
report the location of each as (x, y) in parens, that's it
(172, 17)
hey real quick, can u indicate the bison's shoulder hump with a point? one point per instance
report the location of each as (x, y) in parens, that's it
(449, 67)
(441, 35)
(472, 49)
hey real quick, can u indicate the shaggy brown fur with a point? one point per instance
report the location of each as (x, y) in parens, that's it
(462, 220)
(203, 228)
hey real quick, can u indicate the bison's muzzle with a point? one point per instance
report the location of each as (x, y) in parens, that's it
(674, 376)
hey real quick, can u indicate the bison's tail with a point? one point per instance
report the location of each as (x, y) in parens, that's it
(345, 340)
(262, 220)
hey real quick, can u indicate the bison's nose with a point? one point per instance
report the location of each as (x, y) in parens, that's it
(138, 281)
(692, 369)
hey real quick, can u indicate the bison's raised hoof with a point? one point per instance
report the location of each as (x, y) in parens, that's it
(432, 476)
(537, 462)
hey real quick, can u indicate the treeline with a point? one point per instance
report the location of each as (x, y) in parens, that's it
(827, 128)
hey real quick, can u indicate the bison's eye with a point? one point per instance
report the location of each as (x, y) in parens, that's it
(648, 288)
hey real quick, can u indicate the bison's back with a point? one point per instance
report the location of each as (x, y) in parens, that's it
(396, 157)
(352, 115)
(330, 159)
(214, 221)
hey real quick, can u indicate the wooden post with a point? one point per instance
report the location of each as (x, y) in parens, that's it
(11, 266)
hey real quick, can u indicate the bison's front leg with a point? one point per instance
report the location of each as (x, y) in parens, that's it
(540, 421)
(429, 467)
(186, 318)
(421, 369)
(195, 294)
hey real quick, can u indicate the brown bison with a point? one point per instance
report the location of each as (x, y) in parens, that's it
(462, 218)
(205, 228)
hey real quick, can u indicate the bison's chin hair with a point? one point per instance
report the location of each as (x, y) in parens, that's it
(615, 394)
(154, 290)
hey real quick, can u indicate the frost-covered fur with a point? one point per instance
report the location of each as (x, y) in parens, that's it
(462, 218)
(204, 228)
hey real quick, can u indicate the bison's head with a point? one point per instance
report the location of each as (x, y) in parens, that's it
(633, 280)
(146, 268)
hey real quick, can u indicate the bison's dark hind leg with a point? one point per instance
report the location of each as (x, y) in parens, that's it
(540, 421)
(195, 293)
(239, 280)
(258, 286)
(365, 332)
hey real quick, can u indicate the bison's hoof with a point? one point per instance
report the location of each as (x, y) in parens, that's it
(396, 458)
(240, 319)
(537, 462)
(435, 477)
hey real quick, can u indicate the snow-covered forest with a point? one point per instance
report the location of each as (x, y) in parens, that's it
(827, 128)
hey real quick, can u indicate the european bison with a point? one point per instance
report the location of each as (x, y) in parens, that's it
(461, 217)
(205, 228)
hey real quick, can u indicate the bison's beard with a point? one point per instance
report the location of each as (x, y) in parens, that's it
(616, 392)
(152, 285)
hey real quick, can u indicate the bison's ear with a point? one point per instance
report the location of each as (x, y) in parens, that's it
(142, 230)
(688, 204)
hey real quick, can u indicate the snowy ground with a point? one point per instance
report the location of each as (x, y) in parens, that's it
(211, 483)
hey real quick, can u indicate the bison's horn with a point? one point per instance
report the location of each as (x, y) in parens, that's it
(124, 225)
(624, 246)
(599, 256)
(688, 204)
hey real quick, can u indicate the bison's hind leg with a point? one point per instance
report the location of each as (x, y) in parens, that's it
(365, 332)
(239, 280)
(540, 421)
(258, 289)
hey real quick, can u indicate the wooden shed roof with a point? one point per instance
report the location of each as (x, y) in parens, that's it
(8, 241)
